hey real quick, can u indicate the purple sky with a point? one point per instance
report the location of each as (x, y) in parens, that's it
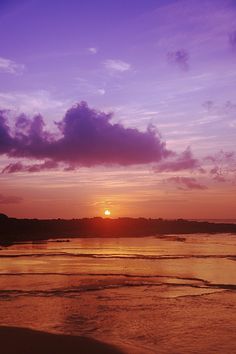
(166, 70)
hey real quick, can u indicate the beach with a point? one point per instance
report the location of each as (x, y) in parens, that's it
(168, 294)
(25, 341)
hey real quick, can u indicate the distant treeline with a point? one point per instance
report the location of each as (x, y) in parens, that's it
(12, 230)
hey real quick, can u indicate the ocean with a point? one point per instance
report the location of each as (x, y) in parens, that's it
(165, 294)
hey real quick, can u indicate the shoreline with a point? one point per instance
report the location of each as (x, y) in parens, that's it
(17, 340)
(180, 236)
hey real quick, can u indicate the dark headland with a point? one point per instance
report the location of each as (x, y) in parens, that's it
(17, 230)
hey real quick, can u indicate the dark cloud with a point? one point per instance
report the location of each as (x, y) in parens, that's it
(9, 199)
(85, 137)
(183, 161)
(186, 183)
(180, 58)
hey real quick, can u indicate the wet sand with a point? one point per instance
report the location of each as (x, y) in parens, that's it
(16, 340)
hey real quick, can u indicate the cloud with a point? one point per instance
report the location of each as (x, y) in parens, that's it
(32, 102)
(221, 157)
(208, 105)
(116, 65)
(222, 165)
(222, 115)
(87, 88)
(19, 167)
(186, 183)
(101, 91)
(180, 58)
(13, 167)
(217, 174)
(227, 108)
(5, 138)
(183, 161)
(93, 50)
(9, 199)
(87, 137)
(10, 67)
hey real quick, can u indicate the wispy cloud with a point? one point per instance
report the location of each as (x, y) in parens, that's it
(101, 91)
(221, 115)
(178, 162)
(32, 102)
(227, 107)
(10, 67)
(4, 199)
(117, 65)
(87, 88)
(186, 183)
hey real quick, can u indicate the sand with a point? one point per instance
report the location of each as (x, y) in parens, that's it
(14, 340)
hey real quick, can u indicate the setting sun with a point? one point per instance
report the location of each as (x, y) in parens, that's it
(107, 212)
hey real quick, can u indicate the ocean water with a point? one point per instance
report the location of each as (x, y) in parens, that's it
(169, 294)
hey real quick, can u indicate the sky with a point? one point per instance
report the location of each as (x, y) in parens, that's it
(123, 105)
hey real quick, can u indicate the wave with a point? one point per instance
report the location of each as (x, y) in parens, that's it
(153, 276)
(115, 283)
(9, 294)
(119, 256)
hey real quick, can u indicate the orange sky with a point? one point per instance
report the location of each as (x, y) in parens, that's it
(126, 192)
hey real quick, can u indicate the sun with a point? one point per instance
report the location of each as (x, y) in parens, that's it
(107, 212)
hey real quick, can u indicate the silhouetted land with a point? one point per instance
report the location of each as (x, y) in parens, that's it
(16, 230)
